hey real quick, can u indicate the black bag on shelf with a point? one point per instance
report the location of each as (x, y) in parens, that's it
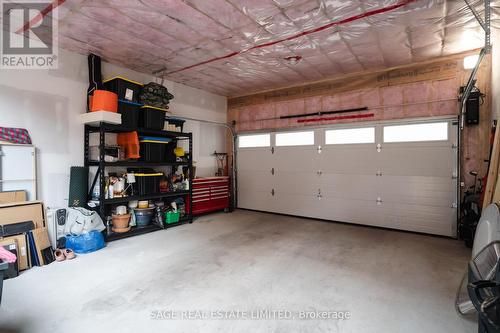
(95, 76)
(154, 94)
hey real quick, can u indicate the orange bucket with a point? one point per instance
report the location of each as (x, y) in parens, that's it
(104, 100)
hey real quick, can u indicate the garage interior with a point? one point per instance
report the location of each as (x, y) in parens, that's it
(264, 165)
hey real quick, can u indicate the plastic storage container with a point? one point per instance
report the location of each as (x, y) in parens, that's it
(171, 217)
(129, 141)
(126, 89)
(148, 183)
(152, 117)
(156, 149)
(174, 124)
(130, 113)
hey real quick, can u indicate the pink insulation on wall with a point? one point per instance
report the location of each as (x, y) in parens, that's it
(392, 98)
(280, 109)
(444, 90)
(330, 102)
(415, 96)
(420, 99)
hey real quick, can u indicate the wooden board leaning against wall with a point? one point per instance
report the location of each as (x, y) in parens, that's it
(419, 90)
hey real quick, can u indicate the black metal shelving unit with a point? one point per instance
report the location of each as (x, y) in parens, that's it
(101, 165)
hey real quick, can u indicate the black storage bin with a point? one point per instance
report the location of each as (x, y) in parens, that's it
(130, 113)
(126, 89)
(153, 152)
(148, 183)
(175, 122)
(157, 152)
(152, 118)
(169, 153)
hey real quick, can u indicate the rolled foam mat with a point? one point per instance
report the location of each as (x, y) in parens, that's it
(78, 186)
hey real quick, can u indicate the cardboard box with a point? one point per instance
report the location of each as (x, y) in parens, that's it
(12, 196)
(21, 212)
(42, 243)
(22, 249)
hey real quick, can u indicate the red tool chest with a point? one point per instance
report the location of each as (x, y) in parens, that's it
(210, 194)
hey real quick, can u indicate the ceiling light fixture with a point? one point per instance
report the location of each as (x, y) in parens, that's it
(471, 61)
(293, 60)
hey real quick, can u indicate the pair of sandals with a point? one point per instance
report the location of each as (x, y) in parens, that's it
(64, 254)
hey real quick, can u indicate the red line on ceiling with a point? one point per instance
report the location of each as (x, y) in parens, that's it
(40, 16)
(397, 5)
(356, 116)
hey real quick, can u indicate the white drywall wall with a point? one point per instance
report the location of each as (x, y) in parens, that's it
(47, 104)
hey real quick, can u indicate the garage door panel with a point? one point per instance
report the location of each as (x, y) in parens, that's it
(417, 161)
(255, 181)
(433, 220)
(365, 187)
(431, 191)
(428, 219)
(305, 204)
(258, 159)
(296, 159)
(254, 178)
(296, 182)
(348, 160)
(257, 200)
(349, 210)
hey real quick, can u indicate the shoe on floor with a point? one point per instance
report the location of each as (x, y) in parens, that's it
(69, 254)
(59, 255)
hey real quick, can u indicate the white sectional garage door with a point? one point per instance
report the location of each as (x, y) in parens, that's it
(399, 175)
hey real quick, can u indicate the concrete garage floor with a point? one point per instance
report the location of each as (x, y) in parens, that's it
(389, 281)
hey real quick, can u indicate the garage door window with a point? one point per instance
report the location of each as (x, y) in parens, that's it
(416, 132)
(295, 139)
(256, 140)
(350, 136)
